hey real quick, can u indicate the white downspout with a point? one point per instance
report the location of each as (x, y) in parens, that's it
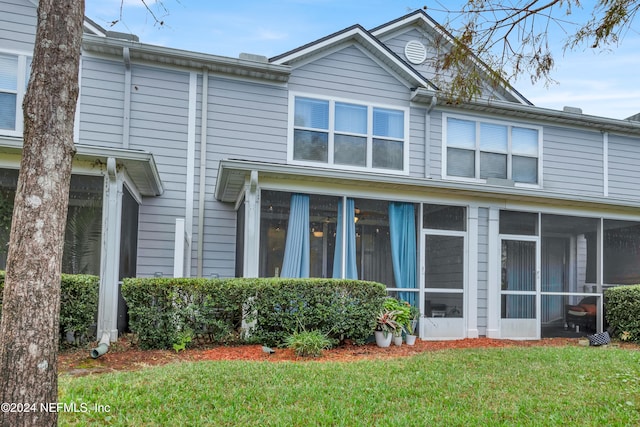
(126, 116)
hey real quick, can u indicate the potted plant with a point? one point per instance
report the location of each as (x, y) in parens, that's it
(414, 315)
(403, 313)
(386, 324)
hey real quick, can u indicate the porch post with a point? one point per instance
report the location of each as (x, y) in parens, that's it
(493, 274)
(252, 226)
(110, 265)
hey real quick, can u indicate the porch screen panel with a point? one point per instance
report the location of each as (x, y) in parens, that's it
(518, 274)
(621, 252)
(373, 243)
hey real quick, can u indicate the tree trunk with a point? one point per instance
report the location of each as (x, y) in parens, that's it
(30, 313)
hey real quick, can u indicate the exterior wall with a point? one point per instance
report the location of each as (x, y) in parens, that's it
(623, 161)
(245, 121)
(573, 161)
(102, 102)
(351, 74)
(17, 25)
(483, 268)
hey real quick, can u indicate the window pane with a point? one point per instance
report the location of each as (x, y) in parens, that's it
(461, 133)
(388, 123)
(444, 262)
(493, 137)
(493, 165)
(461, 163)
(388, 154)
(518, 307)
(444, 217)
(350, 150)
(8, 72)
(443, 305)
(373, 244)
(7, 111)
(309, 145)
(351, 118)
(524, 141)
(323, 212)
(525, 169)
(312, 113)
(525, 223)
(621, 249)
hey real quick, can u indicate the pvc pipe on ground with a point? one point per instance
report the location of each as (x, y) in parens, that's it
(103, 346)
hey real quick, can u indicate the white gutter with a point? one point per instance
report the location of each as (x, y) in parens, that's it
(191, 167)
(427, 137)
(126, 119)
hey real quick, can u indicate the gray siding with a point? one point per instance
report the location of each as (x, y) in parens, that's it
(573, 161)
(17, 25)
(245, 121)
(159, 120)
(435, 144)
(101, 102)
(483, 253)
(350, 73)
(624, 173)
(416, 142)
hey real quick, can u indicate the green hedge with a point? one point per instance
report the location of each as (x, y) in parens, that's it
(623, 311)
(78, 306)
(161, 311)
(164, 312)
(342, 309)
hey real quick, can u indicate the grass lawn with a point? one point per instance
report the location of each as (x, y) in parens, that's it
(574, 386)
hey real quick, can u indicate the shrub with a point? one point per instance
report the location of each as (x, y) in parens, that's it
(623, 311)
(214, 309)
(342, 309)
(308, 343)
(161, 310)
(78, 305)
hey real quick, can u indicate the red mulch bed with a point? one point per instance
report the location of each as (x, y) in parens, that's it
(123, 356)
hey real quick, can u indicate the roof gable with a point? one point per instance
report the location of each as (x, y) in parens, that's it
(358, 35)
(422, 22)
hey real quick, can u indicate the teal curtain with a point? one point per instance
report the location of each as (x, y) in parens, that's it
(351, 270)
(296, 250)
(402, 230)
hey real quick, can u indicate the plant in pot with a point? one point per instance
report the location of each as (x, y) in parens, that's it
(403, 317)
(414, 315)
(385, 326)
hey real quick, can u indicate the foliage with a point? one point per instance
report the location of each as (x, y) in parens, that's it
(308, 343)
(343, 309)
(161, 309)
(623, 311)
(386, 321)
(401, 314)
(78, 306)
(215, 309)
(514, 40)
(464, 387)
(183, 339)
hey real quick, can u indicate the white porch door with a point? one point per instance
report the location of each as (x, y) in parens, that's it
(443, 283)
(519, 290)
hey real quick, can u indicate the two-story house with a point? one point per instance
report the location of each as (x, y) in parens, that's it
(337, 159)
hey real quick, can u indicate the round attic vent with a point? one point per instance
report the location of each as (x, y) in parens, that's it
(415, 52)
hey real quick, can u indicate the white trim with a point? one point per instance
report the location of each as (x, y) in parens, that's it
(20, 92)
(605, 164)
(493, 274)
(471, 294)
(204, 113)
(406, 140)
(507, 123)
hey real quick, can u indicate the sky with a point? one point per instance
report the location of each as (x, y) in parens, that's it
(601, 83)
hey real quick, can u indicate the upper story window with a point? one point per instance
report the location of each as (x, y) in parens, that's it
(348, 135)
(485, 149)
(14, 76)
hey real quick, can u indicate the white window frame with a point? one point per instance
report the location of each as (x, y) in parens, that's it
(22, 80)
(331, 132)
(509, 153)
